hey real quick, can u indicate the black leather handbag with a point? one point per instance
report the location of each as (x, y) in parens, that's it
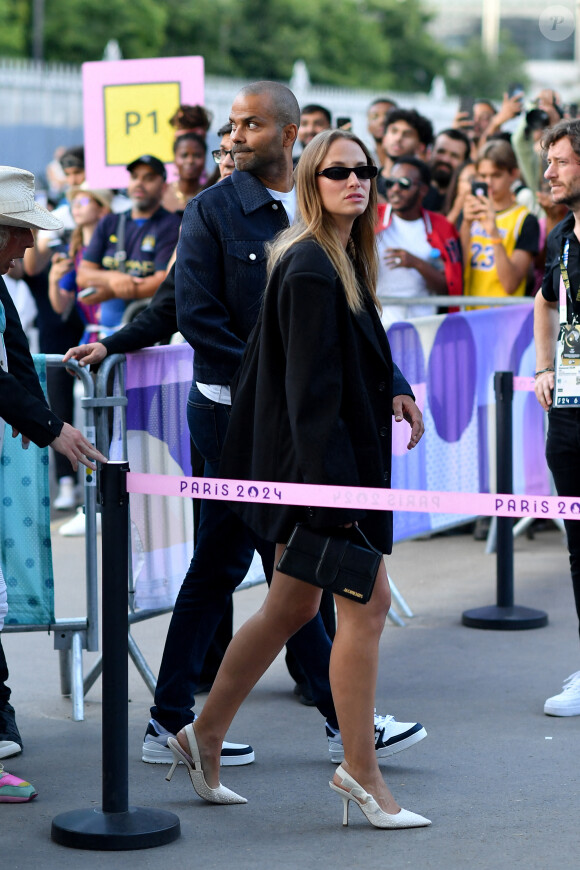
(344, 562)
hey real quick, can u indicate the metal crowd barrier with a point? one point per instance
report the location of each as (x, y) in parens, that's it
(72, 635)
(112, 370)
(457, 301)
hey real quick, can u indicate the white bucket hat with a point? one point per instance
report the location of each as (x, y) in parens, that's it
(17, 205)
(101, 195)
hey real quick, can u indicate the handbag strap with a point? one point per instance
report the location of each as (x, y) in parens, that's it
(356, 530)
(329, 562)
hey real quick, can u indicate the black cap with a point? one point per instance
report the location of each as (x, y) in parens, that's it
(154, 162)
(73, 158)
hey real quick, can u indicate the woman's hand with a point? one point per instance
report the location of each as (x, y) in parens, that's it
(404, 408)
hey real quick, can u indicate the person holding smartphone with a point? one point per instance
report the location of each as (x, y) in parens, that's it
(499, 238)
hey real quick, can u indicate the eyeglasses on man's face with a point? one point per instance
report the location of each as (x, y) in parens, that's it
(220, 154)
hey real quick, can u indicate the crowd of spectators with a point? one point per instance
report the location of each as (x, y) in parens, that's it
(471, 216)
(461, 211)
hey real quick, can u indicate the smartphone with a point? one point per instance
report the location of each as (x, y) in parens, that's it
(90, 291)
(516, 90)
(344, 123)
(479, 188)
(466, 107)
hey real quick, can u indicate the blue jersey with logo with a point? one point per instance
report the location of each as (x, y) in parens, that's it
(149, 244)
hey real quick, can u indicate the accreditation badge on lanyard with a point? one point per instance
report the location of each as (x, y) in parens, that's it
(567, 377)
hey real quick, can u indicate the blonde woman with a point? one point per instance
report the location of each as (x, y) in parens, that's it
(314, 403)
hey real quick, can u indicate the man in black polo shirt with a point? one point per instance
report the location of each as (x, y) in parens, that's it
(119, 269)
(562, 143)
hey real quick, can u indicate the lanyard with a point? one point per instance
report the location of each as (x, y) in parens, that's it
(565, 291)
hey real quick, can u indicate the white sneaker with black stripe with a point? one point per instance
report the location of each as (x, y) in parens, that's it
(390, 737)
(156, 751)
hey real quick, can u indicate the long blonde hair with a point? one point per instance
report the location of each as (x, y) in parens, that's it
(359, 262)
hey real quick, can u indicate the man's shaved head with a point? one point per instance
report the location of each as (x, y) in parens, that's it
(284, 103)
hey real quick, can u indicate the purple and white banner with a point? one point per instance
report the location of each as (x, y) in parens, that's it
(449, 361)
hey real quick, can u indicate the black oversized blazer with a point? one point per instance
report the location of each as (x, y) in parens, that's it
(313, 401)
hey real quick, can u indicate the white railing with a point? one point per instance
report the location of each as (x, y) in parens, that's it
(50, 94)
(40, 93)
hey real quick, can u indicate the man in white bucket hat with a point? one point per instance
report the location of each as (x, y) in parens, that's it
(24, 407)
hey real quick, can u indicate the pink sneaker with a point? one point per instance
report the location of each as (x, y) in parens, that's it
(14, 790)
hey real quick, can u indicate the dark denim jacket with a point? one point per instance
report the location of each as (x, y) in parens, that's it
(220, 274)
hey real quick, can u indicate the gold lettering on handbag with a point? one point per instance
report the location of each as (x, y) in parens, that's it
(352, 592)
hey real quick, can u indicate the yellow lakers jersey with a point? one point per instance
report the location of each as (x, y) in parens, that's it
(480, 277)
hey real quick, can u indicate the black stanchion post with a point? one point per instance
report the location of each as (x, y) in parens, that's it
(115, 567)
(504, 394)
(116, 826)
(504, 615)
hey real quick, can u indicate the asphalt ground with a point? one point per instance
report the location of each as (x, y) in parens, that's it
(498, 778)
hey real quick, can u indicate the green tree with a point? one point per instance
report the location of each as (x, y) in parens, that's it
(78, 30)
(361, 43)
(372, 43)
(415, 58)
(13, 28)
(473, 74)
(332, 38)
(203, 27)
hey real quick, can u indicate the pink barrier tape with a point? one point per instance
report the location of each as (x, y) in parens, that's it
(367, 498)
(525, 384)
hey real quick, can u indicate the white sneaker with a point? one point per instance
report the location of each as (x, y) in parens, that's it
(156, 751)
(390, 737)
(66, 499)
(567, 703)
(76, 527)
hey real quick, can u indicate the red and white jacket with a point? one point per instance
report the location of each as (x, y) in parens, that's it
(441, 234)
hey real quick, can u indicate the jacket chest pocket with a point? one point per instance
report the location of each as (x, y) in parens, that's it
(249, 258)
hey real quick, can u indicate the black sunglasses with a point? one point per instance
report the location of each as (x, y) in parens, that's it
(341, 173)
(404, 183)
(219, 155)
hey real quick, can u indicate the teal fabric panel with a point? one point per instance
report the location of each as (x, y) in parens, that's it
(25, 547)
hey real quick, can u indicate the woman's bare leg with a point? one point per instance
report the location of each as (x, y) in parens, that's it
(288, 606)
(353, 679)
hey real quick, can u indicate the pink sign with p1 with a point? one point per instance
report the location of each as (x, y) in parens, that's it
(127, 107)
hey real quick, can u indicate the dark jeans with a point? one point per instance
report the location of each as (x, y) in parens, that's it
(563, 456)
(223, 553)
(224, 631)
